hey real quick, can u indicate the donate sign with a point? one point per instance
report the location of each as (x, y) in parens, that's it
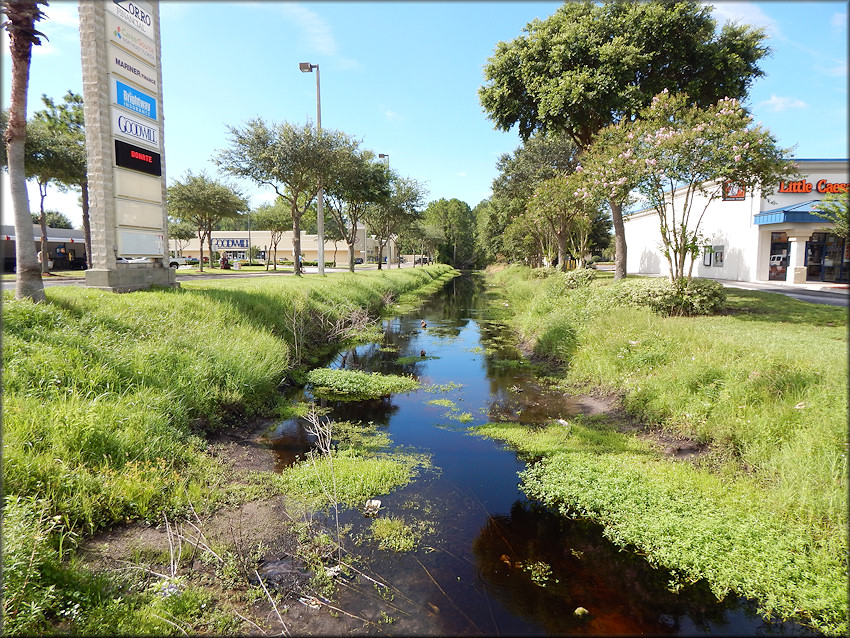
(135, 100)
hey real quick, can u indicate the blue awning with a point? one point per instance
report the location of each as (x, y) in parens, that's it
(795, 213)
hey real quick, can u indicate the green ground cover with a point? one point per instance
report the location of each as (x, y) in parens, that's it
(107, 399)
(763, 386)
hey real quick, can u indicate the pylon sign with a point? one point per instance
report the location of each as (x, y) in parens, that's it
(122, 97)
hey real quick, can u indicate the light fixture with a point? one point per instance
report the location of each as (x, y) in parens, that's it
(306, 67)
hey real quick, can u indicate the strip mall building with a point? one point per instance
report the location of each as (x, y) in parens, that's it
(750, 238)
(234, 244)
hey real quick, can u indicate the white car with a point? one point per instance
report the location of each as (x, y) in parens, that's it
(777, 260)
(173, 262)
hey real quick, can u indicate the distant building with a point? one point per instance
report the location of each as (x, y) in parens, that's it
(66, 248)
(234, 243)
(748, 238)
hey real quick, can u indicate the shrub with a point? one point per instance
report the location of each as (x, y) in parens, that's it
(683, 297)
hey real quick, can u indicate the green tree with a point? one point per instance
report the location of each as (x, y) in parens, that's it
(455, 221)
(49, 158)
(20, 23)
(203, 202)
(833, 208)
(685, 155)
(54, 219)
(66, 123)
(594, 64)
(400, 210)
(182, 233)
(357, 183)
(293, 160)
(277, 219)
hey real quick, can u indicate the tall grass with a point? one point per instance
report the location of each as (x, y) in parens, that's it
(107, 397)
(765, 384)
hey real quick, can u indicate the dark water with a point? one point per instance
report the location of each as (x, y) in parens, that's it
(496, 563)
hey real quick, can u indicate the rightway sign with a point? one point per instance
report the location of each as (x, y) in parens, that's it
(133, 99)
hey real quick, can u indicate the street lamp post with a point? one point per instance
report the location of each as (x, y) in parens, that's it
(306, 67)
(386, 156)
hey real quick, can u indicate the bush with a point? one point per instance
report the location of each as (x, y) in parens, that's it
(683, 297)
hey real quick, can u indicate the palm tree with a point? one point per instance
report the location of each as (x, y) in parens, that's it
(20, 23)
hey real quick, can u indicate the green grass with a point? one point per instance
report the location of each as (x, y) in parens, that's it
(764, 385)
(107, 398)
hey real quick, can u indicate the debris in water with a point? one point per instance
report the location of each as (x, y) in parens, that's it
(424, 325)
(580, 611)
(310, 601)
(421, 353)
(333, 571)
(372, 506)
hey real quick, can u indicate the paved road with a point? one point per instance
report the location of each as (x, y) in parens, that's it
(813, 293)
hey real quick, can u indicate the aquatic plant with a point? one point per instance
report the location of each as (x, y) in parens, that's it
(355, 385)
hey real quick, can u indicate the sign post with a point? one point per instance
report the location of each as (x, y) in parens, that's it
(122, 103)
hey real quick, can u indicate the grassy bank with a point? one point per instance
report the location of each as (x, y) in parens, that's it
(107, 399)
(762, 386)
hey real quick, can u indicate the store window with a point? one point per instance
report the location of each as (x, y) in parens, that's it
(717, 256)
(780, 249)
(827, 258)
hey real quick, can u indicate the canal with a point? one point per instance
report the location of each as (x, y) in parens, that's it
(491, 562)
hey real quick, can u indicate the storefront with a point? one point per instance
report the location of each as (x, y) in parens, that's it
(750, 238)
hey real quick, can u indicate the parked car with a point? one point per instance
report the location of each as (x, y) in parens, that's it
(777, 260)
(173, 262)
(358, 260)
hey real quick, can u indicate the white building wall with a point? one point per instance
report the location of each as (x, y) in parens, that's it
(731, 224)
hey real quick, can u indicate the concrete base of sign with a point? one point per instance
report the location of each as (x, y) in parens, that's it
(130, 277)
(800, 275)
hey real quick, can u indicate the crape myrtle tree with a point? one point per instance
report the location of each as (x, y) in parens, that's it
(20, 19)
(202, 201)
(684, 155)
(556, 205)
(397, 212)
(590, 65)
(292, 159)
(357, 183)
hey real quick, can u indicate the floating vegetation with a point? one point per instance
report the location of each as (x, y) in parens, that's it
(445, 403)
(413, 359)
(354, 385)
(443, 387)
(394, 534)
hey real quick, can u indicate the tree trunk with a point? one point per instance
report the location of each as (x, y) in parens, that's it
(562, 252)
(43, 257)
(201, 246)
(296, 243)
(86, 222)
(21, 16)
(619, 240)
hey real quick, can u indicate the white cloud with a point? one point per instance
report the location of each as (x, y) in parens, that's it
(746, 13)
(313, 27)
(65, 14)
(776, 103)
(461, 174)
(391, 115)
(839, 20)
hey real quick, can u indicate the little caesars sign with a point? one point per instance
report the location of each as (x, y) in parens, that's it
(122, 97)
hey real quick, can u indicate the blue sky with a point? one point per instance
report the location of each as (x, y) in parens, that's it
(403, 77)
